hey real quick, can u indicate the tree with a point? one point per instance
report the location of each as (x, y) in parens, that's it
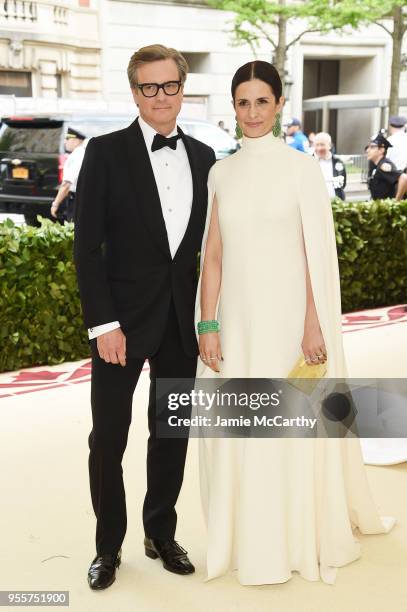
(392, 17)
(259, 20)
(268, 20)
(399, 16)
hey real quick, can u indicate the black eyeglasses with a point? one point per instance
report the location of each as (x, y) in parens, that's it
(149, 90)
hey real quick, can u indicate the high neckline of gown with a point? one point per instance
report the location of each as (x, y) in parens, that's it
(261, 144)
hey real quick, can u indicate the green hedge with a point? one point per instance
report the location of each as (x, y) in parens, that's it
(372, 250)
(40, 318)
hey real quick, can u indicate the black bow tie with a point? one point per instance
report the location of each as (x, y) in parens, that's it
(161, 141)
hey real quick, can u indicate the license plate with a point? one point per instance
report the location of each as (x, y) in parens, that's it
(20, 172)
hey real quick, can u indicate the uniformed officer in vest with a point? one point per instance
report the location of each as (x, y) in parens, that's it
(384, 180)
(75, 145)
(331, 165)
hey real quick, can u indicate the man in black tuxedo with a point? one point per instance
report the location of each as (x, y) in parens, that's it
(141, 204)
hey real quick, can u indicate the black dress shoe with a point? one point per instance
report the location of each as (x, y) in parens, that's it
(102, 572)
(173, 556)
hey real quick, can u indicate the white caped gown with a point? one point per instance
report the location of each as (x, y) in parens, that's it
(274, 506)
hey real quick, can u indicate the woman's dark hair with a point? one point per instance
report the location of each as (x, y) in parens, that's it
(258, 69)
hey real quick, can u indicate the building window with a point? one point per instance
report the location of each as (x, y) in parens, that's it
(15, 83)
(197, 62)
(321, 78)
(59, 85)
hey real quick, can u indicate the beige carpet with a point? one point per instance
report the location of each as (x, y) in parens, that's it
(47, 523)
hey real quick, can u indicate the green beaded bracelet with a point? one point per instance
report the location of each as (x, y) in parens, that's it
(205, 327)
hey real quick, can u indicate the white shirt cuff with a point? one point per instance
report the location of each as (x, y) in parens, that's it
(94, 332)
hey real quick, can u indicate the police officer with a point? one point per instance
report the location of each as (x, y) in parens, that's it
(75, 144)
(384, 179)
(398, 139)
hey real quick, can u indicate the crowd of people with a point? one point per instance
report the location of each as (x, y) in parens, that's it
(386, 154)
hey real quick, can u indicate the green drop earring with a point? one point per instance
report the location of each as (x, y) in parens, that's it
(277, 126)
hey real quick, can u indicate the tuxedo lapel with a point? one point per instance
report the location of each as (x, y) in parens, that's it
(196, 210)
(145, 187)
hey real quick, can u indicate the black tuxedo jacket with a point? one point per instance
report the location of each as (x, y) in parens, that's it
(124, 266)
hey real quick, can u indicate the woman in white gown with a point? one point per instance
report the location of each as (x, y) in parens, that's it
(269, 276)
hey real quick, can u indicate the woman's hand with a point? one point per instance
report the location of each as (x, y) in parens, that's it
(313, 345)
(210, 350)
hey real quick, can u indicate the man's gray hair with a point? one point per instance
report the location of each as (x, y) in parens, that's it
(323, 136)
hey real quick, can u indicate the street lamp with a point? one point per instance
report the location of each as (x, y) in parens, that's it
(287, 84)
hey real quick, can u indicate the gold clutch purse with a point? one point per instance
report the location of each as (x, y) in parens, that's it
(302, 370)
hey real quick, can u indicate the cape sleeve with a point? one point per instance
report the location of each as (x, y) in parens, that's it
(320, 246)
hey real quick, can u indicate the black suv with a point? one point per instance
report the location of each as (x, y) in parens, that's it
(32, 157)
(32, 154)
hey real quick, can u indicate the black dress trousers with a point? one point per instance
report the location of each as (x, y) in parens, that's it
(70, 209)
(112, 391)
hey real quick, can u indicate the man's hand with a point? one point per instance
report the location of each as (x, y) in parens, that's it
(54, 210)
(112, 347)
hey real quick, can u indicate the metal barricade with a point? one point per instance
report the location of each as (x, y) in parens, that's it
(356, 167)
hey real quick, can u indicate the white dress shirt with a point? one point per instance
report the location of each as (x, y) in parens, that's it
(73, 165)
(398, 152)
(173, 177)
(327, 171)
